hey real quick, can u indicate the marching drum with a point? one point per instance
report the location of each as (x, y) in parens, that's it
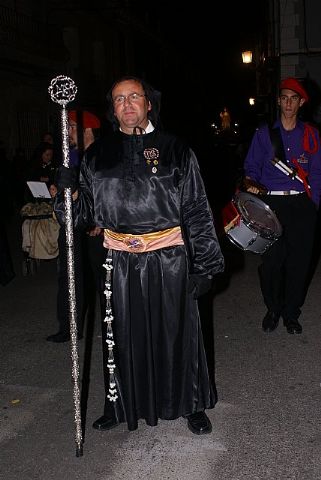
(255, 226)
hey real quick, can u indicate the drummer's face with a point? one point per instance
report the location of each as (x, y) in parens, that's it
(72, 131)
(290, 102)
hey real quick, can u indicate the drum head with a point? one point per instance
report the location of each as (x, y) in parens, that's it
(257, 215)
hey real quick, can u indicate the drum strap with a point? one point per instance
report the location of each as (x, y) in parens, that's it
(279, 154)
(277, 143)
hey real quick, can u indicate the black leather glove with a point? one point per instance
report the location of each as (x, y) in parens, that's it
(66, 178)
(199, 284)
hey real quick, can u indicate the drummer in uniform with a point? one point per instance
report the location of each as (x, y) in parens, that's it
(283, 165)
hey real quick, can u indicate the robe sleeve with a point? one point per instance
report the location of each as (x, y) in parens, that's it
(204, 252)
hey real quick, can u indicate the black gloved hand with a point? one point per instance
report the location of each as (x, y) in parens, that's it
(66, 178)
(199, 284)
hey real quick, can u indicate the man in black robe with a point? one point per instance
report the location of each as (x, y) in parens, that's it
(143, 187)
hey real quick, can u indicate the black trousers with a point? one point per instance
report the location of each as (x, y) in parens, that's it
(95, 256)
(94, 278)
(286, 264)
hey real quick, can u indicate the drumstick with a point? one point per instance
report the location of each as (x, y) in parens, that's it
(285, 169)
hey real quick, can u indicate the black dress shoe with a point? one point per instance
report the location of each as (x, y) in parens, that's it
(105, 423)
(270, 321)
(293, 326)
(199, 423)
(61, 337)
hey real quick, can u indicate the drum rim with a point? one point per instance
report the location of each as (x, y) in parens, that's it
(251, 226)
(249, 223)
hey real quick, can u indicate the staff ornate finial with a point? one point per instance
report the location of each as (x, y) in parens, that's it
(62, 90)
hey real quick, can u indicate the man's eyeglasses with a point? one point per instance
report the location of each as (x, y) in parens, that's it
(290, 98)
(132, 97)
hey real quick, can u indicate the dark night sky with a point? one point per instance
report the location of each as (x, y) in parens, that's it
(208, 45)
(201, 65)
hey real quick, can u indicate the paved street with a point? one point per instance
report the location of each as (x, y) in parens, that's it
(266, 424)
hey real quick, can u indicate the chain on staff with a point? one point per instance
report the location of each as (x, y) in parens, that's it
(63, 90)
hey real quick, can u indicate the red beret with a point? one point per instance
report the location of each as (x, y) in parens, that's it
(89, 120)
(293, 84)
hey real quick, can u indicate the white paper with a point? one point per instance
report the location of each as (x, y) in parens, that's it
(39, 189)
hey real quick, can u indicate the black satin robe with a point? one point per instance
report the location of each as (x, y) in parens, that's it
(161, 364)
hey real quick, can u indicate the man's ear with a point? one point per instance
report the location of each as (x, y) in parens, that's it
(89, 137)
(149, 106)
(302, 101)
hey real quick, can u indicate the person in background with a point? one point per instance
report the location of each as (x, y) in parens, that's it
(44, 168)
(39, 229)
(83, 129)
(80, 140)
(295, 200)
(144, 188)
(225, 119)
(46, 138)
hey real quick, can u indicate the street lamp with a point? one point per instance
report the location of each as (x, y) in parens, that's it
(247, 56)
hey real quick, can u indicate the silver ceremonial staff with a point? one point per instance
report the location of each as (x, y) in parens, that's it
(62, 91)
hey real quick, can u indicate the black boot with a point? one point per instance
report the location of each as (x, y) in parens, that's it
(293, 326)
(113, 416)
(59, 337)
(105, 423)
(199, 423)
(270, 321)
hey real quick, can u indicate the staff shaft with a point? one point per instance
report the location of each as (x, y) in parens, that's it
(71, 289)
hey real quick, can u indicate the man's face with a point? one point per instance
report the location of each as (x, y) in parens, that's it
(290, 102)
(72, 132)
(47, 156)
(130, 105)
(48, 138)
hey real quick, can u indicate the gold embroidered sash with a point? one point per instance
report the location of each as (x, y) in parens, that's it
(145, 242)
